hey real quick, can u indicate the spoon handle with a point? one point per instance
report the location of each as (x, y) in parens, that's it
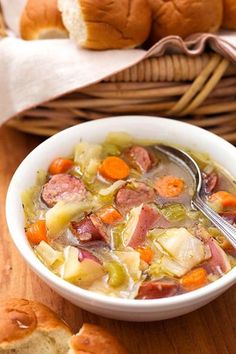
(227, 229)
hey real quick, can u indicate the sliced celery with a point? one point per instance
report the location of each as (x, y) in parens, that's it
(117, 273)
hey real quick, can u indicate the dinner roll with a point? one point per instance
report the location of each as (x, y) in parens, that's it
(185, 17)
(41, 20)
(92, 339)
(229, 19)
(28, 327)
(105, 24)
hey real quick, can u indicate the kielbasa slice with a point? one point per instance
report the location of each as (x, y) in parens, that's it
(140, 158)
(90, 229)
(157, 289)
(128, 198)
(62, 187)
(209, 182)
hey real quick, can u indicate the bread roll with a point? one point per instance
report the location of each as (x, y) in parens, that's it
(41, 20)
(28, 327)
(229, 19)
(184, 17)
(105, 24)
(92, 339)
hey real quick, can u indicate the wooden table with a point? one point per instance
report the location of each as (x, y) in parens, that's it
(209, 330)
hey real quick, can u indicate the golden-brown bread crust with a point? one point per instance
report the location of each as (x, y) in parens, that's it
(19, 318)
(116, 24)
(93, 339)
(229, 19)
(39, 16)
(184, 17)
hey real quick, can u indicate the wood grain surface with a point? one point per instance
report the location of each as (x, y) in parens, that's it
(209, 330)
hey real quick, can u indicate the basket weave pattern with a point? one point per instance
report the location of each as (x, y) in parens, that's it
(199, 90)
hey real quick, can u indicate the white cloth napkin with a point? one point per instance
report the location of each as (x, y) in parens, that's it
(37, 71)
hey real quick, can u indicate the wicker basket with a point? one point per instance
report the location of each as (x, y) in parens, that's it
(199, 90)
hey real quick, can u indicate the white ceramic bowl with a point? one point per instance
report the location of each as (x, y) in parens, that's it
(166, 130)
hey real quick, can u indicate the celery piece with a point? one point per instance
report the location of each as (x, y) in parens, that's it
(116, 272)
(174, 212)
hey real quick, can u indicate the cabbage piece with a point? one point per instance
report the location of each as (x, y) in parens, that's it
(120, 139)
(80, 273)
(59, 217)
(109, 149)
(112, 188)
(174, 212)
(31, 198)
(47, 254)
(170, 266)
(131, 260)
(88, 157)
(183, 247)
(131, 224)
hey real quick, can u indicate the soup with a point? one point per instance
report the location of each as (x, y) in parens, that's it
(116, 218)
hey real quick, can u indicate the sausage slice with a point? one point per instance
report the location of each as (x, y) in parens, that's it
(140, 158)
(157, 289)
(128, 198)
(62, 187)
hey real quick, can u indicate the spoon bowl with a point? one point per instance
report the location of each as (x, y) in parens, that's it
(198, 200)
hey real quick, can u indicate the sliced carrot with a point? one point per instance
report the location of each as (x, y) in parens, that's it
(60, 165)
(226, 199)
(146, 254)
(109, 215)
(37, 232)
(169, 186)
(194, 279)
(114, 168)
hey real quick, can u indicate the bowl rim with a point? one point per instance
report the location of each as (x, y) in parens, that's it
(104, 300)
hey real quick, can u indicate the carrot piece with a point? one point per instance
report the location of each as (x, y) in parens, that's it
(60, 165)
(169, 186)
(194, 279)
(226, 199)
(146, 254)
(109, 215)
(114, 168)
(37, 232)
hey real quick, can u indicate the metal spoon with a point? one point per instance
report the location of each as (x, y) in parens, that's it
(197, 202)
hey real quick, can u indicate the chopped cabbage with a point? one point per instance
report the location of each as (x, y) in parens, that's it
(112, 188)
(109, 149)
(174, 212)
(131, 260)
(183, 247)
(58, 217)
(31, 198)
(47, 254)
(131, 224)
(88, 157)
(120, 139)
